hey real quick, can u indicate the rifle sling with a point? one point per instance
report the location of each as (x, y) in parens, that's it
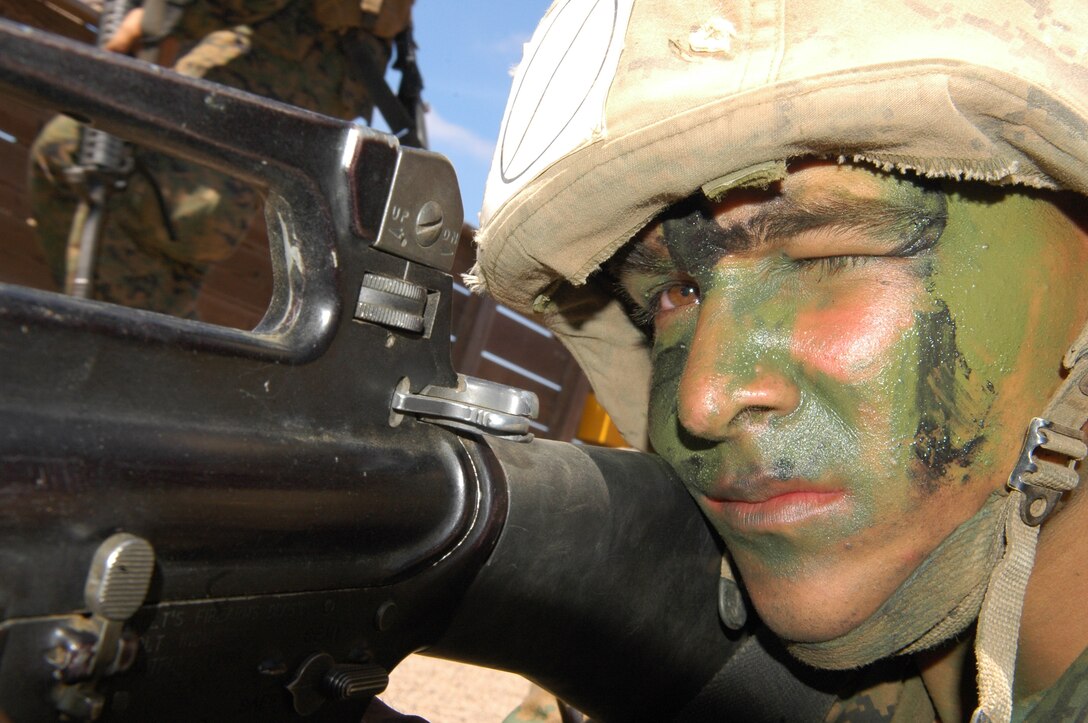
(372, 71)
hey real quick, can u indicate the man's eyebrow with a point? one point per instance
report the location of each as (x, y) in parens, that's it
(908, 225)
(641, 257)
(905, 224)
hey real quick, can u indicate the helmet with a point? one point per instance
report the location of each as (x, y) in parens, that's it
(620, 109)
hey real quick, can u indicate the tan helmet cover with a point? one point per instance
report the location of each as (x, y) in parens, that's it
(622, 107)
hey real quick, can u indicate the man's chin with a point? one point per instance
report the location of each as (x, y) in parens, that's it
(802, 627)
(809, 611)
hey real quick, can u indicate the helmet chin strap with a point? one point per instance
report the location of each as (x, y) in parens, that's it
(1035, 486)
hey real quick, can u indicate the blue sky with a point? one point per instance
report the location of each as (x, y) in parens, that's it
(466, 51)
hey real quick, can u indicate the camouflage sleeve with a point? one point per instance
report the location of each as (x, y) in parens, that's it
(1066, 700)
(206, 16)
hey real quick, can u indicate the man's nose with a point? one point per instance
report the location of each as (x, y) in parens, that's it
(734, 376)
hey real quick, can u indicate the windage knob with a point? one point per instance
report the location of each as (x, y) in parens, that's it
(391, 302)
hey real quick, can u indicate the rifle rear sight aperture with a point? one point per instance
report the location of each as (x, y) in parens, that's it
(421, 217)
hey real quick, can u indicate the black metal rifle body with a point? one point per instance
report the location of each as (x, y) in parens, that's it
(305, 537)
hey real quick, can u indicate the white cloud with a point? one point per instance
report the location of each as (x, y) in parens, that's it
(445, 136)
(511, 45)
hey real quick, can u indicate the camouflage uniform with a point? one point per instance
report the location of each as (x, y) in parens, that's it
(906, 699)
(1065, 700)
(292, 51)
(538, 706)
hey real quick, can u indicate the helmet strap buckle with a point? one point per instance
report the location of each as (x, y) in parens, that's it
(1043, 480)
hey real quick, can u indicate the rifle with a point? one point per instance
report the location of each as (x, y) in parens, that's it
(105, 161)
(202, 523)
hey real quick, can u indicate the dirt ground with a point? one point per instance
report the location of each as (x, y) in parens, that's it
(445, 692)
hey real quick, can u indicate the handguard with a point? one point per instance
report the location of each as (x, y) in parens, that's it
(201, 523)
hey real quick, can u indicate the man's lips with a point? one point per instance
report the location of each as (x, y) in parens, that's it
(765, 504)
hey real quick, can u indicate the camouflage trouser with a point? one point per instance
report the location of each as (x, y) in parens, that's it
(538, 706)
(140, 262)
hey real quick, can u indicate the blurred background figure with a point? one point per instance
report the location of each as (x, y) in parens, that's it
(174, 218)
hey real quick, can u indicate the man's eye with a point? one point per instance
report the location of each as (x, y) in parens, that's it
(830, 265)
(676, 296)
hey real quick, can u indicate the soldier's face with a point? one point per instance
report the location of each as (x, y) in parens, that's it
(843, 369)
